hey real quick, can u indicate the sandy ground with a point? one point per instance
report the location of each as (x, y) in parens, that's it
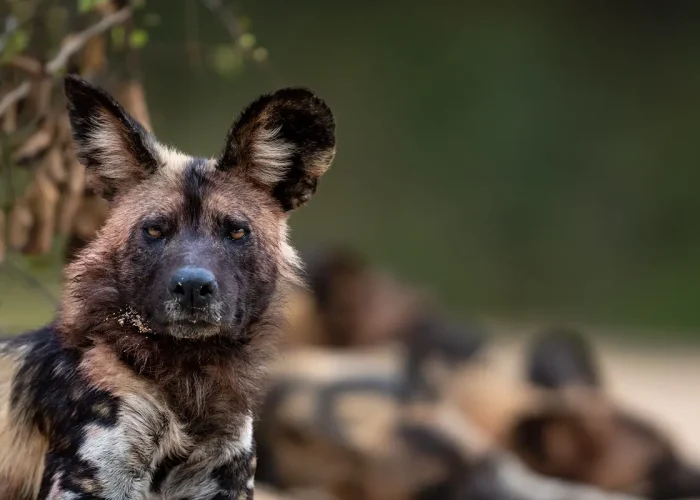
(661, 383)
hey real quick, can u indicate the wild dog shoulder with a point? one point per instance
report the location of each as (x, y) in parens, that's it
(22, 446)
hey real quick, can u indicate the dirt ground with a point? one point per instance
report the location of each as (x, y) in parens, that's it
(661, 383)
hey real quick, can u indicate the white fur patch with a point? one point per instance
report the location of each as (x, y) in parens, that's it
(109, 451)
(124, 455)
(245, 440)
(292, 262)
(271, 156)
(171, 159)
(107, 144)
(194, 479)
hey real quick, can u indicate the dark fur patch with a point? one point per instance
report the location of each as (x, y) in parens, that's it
(49, 392)
(562, 357)
(163, 469)
(303, 124)
(196, 185)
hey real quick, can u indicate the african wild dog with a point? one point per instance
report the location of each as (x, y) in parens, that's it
(586, 437)
(143, 386)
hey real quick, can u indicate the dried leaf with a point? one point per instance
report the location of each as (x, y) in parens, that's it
(53, 165)
(26, 64)
(46, 201)
(9, 120)
(132, 96)
(72, 198)
(35, 146)
(19, 224)
(64, 134)
(92, 58)
(40, 95)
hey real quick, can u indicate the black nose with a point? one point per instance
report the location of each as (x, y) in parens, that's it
(193, 286)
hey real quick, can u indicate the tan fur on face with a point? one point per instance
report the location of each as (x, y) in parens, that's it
(162, 193)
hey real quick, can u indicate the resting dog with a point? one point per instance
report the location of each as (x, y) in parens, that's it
(144, 385)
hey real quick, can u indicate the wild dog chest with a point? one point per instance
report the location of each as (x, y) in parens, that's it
(148, 454)
(86, 426)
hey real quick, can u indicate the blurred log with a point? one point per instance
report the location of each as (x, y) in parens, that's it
(72, 198)
(36, 145)
(54, 166)
(45, 203)
(9, 120)
(28, 65)
(21, 220)
(92, 58)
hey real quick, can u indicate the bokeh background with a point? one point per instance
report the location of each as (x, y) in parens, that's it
(522, 160)
(525, 163)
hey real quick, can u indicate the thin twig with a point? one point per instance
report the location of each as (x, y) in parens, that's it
(73, 45)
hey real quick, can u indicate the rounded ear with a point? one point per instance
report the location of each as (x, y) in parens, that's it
(566, 436)
(562, 357)
(284, 142)
(114, 147)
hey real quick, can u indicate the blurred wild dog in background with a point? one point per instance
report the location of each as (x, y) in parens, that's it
(416, 411)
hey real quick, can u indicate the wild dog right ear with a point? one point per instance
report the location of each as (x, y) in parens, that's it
(283, 142)
(561, 358)
(110, 143)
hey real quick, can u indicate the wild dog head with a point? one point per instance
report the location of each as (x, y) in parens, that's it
(193, 248)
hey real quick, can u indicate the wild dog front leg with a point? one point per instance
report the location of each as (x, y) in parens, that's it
(101, 466)
(69, 479)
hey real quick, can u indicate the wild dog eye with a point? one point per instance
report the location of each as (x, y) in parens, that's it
(236, 230)
(237, 233)
(153, 232)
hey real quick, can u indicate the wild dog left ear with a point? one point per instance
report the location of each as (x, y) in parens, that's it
(284, 142)
(111, 144)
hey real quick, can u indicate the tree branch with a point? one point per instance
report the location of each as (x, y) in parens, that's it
(73, 45)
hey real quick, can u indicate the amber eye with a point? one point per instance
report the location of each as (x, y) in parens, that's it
(237, 233)
(154, 232)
